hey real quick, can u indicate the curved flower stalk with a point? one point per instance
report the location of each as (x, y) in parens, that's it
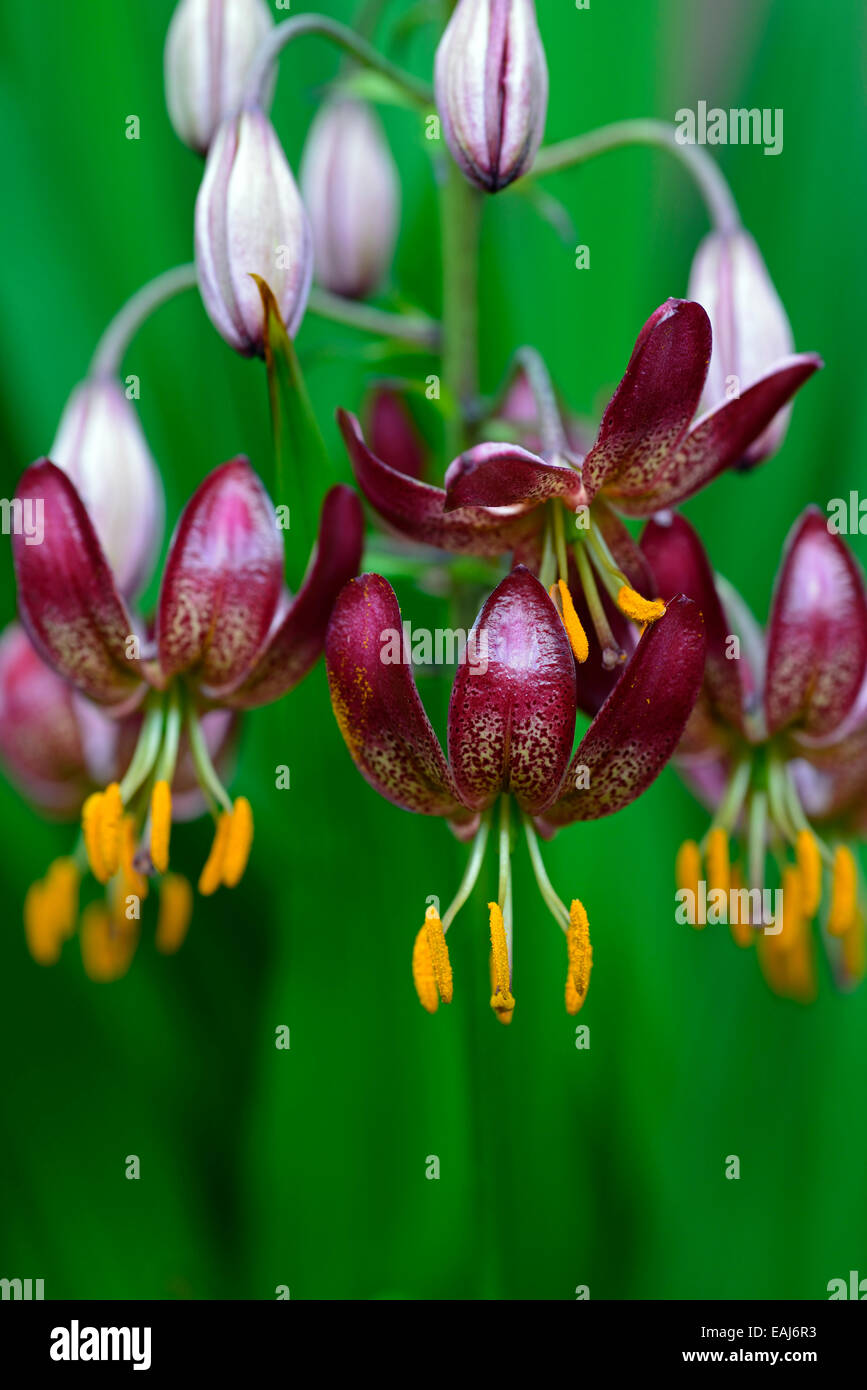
(511, 730)
(350, 188)
(777, 748)
(650, 453)
(210, 47)
(227, 637)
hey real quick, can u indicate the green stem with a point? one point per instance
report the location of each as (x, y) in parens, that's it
(417, 329)
(346, 39)
(461, 215)
(127, 321)
(550, 423)
(717, 195)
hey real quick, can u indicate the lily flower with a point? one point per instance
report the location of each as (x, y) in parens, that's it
(560, 513)
(777, 748)
(511, 729)
(227, 637)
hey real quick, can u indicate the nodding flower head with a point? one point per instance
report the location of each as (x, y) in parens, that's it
(777, 749)
(511, 728)
(209, 50)
(227, 637)
(250, 221)
(491, 84)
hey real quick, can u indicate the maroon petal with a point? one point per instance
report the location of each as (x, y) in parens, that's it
(680, 566)
(377, 705)
(512, 711)
(502, 475)
(66, 592)
(817, 633)
(721, 438)
(393, 433)
(222, 578)
(652, 407)
(638, 727)
(416, 510)
(297, 639)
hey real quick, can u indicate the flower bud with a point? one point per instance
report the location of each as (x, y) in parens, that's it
(393, 433)
(350, 188)
(491, 83)
(250, 221)
(750, 329)
(100, 445)
(209, 49)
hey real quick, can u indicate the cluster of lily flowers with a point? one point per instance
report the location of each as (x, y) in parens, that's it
(131, 722)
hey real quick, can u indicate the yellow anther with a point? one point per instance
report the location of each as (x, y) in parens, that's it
(844, 892)
(854, 950)
(503, 1016)
(580, 957)
(439, 954)
(238, 842)
(719, 870)
(687, 872)
(161, 825)
(743, 933)
(810, 865)
(572, 623)
(62, 882)
(43, 940)
(501, 997)
(176, 909)
(91, 825)
(793, 910)
(423, 973)
(212, 874)
(110, 817)
(106, 948)
(133, 881)
(640, 610)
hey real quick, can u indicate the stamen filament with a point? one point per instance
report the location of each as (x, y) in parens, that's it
(471, 873)
(145, 754)
(612, 652)
(555, 906)
(206, 772)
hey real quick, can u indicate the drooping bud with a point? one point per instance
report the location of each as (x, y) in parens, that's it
(209, 49)
(250, 221)
(101, 446)
(750, 329)
(491, 84)
(350, 188)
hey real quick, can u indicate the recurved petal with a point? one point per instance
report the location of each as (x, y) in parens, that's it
(377, 705)
(222, 578)
(512, 711)
(680, 565)
(817, 633)
(416, 510)
(721, 438)
(651, 409)
(66, 592)
(501, 475)
(638, 727)
(298, 636)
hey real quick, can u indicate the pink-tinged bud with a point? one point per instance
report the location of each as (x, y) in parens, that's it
(250, 221)
(101, 446)
(491, 83)
(209, 49)
(751, 332)
(393, 433)
(350, 188)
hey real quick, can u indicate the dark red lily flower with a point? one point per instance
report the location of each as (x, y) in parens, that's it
(777, 743)
(227, 638)
(550, 508)
(511, 730)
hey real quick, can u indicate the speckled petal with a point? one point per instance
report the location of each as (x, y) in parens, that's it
(512, 712)
(501, 475)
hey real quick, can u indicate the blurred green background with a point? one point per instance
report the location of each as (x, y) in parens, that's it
(306, 1167)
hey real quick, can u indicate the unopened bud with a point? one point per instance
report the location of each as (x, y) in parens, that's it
(392, 432)
(250, 221)
(350, 188)
(209, 49)
(491, 83)
(101, 446)
(751, 332)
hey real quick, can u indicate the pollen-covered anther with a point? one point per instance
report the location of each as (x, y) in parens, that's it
(844, 892)
(439, 954)
(687, 872)
(51, 911)
(639, 609)
(580, 957)
(719, 869)
(502, 999)
(91, 827)
(793, 909)
(133, 881)
(176, 910)
(810, 865)
(110, 817)
(212, 874)
(107, 947)
(239, 842)
(572, 623)
(423, 975)
(161, 825)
